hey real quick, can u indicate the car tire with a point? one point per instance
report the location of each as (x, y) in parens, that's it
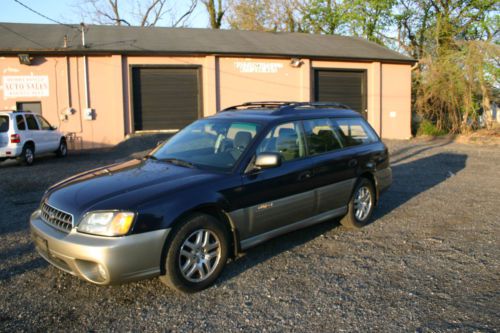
(195, 253)
(62, 150)
(360, 206)
(27, 156)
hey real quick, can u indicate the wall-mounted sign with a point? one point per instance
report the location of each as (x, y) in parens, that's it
(258, 67)
(25, 86)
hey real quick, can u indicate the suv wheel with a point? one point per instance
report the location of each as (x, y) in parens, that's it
(62, 151)
(361, 205)
(195, 254)
(27, 155)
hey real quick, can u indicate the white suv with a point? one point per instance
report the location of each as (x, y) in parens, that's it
(22, 134)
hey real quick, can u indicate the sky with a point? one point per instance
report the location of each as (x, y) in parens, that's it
(66, 11)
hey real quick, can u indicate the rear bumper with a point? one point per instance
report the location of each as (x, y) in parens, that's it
(10, 151)
(100, 260)
(384, 179)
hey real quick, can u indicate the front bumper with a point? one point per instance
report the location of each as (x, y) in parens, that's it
(100, 260)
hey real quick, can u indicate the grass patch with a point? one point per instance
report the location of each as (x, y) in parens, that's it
(426, 127)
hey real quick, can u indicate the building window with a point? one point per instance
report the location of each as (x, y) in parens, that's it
(35, 107)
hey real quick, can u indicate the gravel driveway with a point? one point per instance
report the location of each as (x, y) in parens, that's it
(429, 261)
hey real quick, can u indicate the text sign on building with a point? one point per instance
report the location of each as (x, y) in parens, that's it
(258, 67)
(25, 86)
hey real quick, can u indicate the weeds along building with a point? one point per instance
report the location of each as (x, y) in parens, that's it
(106, 82)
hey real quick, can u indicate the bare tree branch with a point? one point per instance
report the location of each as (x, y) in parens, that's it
(131, 12)
(187, 13)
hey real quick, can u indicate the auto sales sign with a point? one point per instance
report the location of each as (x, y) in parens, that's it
(25, 86)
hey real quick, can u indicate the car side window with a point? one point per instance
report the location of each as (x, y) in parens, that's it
(354, 131)
(45, 124)
(21, 123)
(31, 121)
(4, 124)
(321, 136)
(286, 139)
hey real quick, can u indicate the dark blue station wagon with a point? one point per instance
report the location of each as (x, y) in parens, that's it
(218, 187)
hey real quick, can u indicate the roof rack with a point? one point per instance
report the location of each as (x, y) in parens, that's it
(286, 106)
(259, 105)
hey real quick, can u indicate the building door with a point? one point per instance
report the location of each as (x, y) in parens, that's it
(165, 98)
(343, 86)
(35, 107)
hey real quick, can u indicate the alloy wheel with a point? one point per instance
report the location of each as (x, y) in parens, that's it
(199, 255)
(362, 203)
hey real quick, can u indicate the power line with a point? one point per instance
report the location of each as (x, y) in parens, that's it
(44, 16)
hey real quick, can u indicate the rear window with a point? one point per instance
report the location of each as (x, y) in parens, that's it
(21, 123)
(4, 124)
(354, 131)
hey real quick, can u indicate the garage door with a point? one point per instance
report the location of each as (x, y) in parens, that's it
(346, 87)
(165, 98)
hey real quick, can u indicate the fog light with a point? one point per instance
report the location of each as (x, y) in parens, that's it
(102, 272)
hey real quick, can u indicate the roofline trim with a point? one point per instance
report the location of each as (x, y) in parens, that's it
(66, 52)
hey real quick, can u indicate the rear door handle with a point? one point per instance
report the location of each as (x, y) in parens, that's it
(352, 163)
(305, 175)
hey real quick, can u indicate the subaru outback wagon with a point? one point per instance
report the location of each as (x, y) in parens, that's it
(218, 187)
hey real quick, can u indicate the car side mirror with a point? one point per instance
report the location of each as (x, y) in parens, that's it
(267, 160)
(53, 128)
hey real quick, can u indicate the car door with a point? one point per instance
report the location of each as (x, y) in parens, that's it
(276, 197)
(333, 165)
(48, 135)
(33, 133)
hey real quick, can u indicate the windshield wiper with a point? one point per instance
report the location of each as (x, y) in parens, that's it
(177, 161)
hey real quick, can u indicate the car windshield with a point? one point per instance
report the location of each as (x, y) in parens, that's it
(208, 143)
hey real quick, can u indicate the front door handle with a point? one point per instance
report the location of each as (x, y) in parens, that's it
(352, 163)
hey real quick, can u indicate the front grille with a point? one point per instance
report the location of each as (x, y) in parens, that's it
(56, 218)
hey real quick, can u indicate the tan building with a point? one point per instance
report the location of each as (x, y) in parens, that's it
(109, 82)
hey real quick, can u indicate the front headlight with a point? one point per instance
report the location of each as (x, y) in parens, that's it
(107, 223)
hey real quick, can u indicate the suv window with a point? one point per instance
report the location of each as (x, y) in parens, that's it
(321, 136)
(286, 139)
(45, 124)
(32, 124)
(21, 123)
(4, 124)
(354, 131)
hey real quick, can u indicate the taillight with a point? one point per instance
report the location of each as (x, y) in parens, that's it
(15, 138)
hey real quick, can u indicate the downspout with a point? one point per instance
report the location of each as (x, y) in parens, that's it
(85, 70)
(68, 82)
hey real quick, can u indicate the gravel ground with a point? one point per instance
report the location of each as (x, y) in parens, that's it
(429, 261)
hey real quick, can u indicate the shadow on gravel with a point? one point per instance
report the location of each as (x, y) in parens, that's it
(402, 154)
(273, 247)
(413, 178)
(14, 270)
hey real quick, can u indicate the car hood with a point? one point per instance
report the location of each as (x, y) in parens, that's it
(123, 186)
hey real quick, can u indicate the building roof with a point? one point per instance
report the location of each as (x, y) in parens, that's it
(50, 38)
